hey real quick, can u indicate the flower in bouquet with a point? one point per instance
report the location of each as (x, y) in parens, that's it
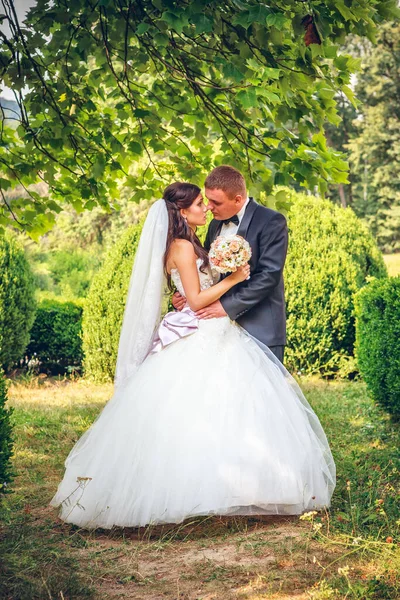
(228, 253)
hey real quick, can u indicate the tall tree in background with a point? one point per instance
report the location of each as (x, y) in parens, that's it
(375, 148)
(350, 110)
(338, 137)
(116, 93)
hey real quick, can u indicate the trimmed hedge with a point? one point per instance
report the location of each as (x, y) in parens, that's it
(6, 439)
(331, 256)
(56, 336)
(378, 341)
(17, 300)
(104, 307)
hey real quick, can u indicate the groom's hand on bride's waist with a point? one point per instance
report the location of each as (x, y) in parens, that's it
(178, 301)
(212, 311)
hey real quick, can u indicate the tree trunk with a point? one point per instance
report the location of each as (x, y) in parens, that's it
(342, 195)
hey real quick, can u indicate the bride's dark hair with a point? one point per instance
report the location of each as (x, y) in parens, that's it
(180, 195)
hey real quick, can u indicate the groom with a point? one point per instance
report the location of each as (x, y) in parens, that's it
(258, 305)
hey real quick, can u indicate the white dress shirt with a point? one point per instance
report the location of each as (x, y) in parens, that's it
(232, 228)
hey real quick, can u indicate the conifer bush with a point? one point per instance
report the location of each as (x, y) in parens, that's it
(331, 256)
(17, 301)
(104, 307)
(56, 336)
(6, 439)
(378, 341)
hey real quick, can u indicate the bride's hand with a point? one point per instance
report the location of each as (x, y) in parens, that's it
(241, 274)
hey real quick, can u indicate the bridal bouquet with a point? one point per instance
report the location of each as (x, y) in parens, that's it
(228, 253)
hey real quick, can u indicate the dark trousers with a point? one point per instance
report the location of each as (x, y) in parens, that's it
(278, 351)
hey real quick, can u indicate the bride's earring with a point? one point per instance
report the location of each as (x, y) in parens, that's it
(184, 217)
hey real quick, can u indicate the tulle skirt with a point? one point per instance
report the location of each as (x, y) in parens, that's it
(211, 425)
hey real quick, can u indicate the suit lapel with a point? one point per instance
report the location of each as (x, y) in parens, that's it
(216, 230)
(247, 217)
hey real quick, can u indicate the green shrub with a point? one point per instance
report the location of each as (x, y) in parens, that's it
(104, 307)
(72, 271)
(64, 272)
(331, 255)
(378, 341)
(6, 440)
(56, 336)
(17, 302)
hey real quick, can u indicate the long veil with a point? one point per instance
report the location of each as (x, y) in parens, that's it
(145, 294)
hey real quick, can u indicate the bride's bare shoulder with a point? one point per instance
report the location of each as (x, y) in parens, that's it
(180, 250)
(179, 247)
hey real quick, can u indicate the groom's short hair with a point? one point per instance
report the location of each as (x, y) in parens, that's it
(227, 179)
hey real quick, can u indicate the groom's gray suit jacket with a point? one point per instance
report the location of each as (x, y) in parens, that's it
(258, 305)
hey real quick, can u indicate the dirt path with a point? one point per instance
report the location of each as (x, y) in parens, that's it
(217, 558)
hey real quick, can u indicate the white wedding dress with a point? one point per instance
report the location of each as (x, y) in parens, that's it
(211, 424)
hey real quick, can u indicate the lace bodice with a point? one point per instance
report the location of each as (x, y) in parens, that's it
(207, 279)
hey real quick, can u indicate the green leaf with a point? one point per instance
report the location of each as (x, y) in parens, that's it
(344, 11)
(271, 73)
(350, 95)
(297, 25)
(201, 23)
(331, 51)
(340, 176)
(254, 64)
(247, 97)
(258, 13)
(271, 96)
(98, 168)
(54, 206)
(232, 72)
(161, 40)
(5, 184)
(142, 28)
(316, 50)
(281, 21)
(116, 166)
(135, 147)
(242, 18)
(174, 20)
(389, 9)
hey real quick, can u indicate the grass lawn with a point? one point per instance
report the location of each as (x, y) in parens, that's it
(352, 552)
(393, 263)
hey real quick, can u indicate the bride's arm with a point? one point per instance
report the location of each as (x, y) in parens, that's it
(184, 258)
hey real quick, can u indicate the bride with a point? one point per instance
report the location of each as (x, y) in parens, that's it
(204, 419)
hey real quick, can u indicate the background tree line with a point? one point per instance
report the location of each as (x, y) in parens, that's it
(369, 133)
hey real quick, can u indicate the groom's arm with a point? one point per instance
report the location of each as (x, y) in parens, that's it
(268, 273)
